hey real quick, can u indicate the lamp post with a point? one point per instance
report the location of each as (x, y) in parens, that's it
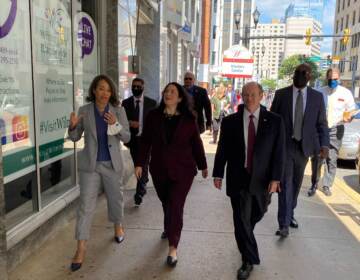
(256, 16)
(263, 49)
(237, 16)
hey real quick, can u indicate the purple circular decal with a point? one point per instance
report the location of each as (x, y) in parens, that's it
(85, 36)
(9, 22)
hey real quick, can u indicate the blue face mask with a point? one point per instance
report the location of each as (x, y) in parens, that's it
(333, 83)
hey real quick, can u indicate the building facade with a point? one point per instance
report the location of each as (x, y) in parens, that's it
(310, 8)
(233, 10)
(347, 15)
(268, 53)
(298, 26)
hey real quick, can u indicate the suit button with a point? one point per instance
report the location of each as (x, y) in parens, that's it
(109, 146)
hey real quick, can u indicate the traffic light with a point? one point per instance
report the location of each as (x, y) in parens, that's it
(328, 60)
(346, 37)
(308, 36)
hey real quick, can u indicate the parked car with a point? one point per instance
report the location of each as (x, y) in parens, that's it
(350, 144)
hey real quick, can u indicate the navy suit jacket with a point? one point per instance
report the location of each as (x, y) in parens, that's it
(268, 157)
(315, 132)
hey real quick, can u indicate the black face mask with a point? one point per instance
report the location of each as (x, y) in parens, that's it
(300, 79)
(137, 91)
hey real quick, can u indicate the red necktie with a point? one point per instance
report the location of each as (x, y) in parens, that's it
(250, 143)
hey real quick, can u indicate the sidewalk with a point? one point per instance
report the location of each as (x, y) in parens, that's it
(326, 245)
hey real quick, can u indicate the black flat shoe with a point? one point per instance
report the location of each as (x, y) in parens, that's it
(294, 223)
(75, 266)
(171, 261)
(164, 235)
(244, 271)
(119, 239)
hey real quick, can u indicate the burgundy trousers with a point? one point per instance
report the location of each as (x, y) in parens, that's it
(172, 195)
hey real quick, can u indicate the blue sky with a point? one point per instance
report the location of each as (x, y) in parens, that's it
(270, 9)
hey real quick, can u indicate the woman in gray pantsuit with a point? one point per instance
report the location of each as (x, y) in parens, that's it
(100, 163)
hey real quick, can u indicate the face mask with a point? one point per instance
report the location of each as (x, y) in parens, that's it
(136, 91)
(333, 83)
(300, 79)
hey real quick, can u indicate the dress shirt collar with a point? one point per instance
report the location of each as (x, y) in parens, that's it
(303, 91)
(255, 114)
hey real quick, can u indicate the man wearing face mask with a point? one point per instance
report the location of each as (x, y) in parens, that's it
(137, 107)
(307, 134)
(339, 102)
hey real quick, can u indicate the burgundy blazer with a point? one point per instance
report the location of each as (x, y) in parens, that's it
(174, 160)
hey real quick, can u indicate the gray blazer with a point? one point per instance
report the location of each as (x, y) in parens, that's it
(87, 157)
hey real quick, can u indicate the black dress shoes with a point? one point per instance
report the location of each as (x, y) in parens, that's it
(171, 261)
(312, 190)
(282, 232)
(119, 239)
(294, 223)
(244, 271)
(164, 235)
(138, 199)
(75, 266)
(327, 191)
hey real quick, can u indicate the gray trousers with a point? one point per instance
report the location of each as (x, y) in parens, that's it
(336, 134)
(90, 187)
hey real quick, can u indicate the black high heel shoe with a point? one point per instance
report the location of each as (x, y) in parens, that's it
(164, 235)
(119, 239)
(75, 266)
(171, 261)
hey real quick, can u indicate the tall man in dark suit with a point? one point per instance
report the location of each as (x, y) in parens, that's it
(252, 146)
(137, 107)
(307, 134)
(201, 101)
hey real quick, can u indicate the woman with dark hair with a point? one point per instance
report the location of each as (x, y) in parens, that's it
(172, 137)
(100, 163)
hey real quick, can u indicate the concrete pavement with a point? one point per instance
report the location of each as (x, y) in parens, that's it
(326, 245)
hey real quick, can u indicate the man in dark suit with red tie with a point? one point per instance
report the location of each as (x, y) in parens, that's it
(251, 146)
(137, 108)
(303, 111)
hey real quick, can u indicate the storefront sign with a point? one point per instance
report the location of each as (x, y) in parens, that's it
(10, 19)
(52, 75)
(85, 55)
(16, 101)
(237, 63)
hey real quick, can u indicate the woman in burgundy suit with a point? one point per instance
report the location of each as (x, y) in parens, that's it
(172, 137)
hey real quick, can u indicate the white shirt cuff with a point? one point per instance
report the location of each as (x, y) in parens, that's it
(114, 129)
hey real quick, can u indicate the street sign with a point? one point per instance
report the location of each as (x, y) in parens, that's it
(315, 58)
(237, 63)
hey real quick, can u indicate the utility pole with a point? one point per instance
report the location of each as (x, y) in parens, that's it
(205, 44)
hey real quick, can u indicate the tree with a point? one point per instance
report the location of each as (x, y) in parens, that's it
(289, 65)
(269, 84)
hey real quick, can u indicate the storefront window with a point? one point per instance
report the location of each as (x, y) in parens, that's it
(127, 34)
(44, 76)
(53, 87)
(16, 112)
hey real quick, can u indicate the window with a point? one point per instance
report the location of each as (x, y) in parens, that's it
(213, 56)
(343, 6)
(337, 26)
(214, 32)
(335, 48)
(347, 21)
(338, 6)
(349, 3)
(354, 17)
(342, 24)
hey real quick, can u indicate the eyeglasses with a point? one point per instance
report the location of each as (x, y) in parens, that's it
(187, 78)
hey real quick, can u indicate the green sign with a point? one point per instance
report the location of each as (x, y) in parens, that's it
(315, 58)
